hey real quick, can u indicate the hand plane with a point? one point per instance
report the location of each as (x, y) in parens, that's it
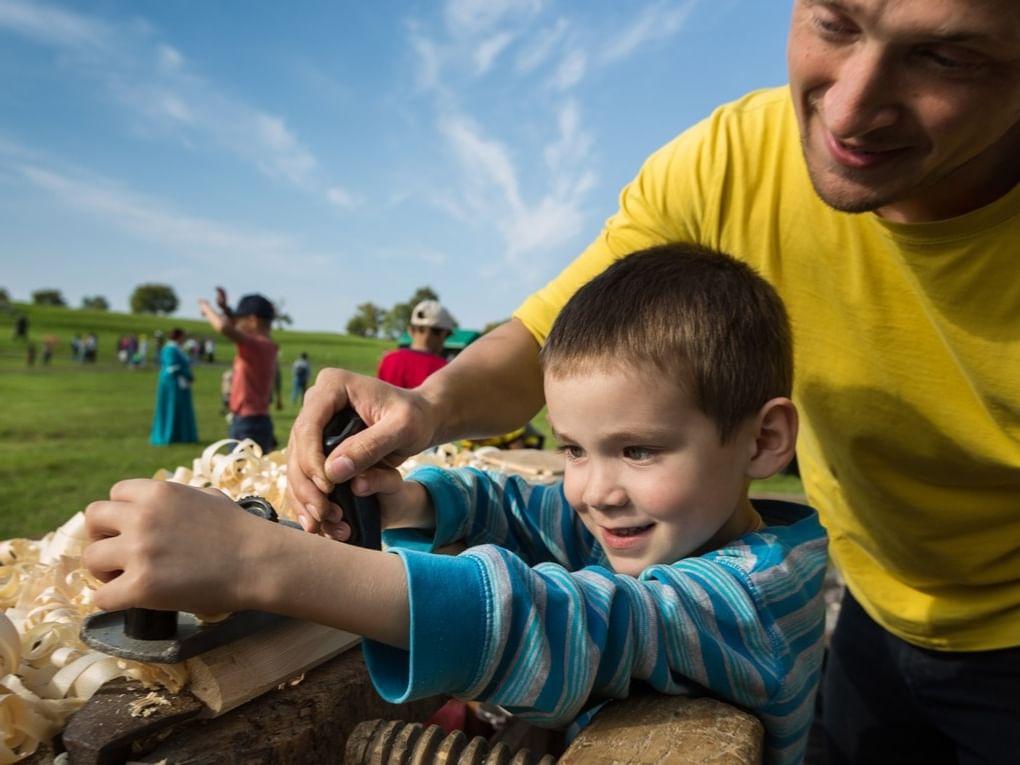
(167, 637)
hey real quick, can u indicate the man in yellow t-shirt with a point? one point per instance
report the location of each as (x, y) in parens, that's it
(879, 193)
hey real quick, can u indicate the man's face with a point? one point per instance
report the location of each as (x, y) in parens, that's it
(645, 469)
(910, 108)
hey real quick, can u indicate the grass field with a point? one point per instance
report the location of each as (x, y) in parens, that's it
(69, 431)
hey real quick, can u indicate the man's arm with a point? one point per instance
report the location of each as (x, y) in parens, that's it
(494, 386)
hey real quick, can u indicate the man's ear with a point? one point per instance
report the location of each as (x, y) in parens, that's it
(775, 438)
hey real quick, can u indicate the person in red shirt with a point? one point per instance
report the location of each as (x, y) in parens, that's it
(430, 325)
(254, 381)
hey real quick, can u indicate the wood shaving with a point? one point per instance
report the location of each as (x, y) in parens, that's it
(147, 705)
(47, 673)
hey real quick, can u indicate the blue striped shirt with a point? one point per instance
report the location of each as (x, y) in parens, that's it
(532, 618)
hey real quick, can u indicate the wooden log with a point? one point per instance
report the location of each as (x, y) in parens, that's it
(307, 723)
(227, 677)
(650, 728)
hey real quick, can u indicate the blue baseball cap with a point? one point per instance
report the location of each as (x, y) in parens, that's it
(255, 305)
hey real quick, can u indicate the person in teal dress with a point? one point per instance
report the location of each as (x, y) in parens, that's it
(174, 422)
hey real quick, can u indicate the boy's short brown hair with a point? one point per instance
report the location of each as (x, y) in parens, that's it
(696, 314)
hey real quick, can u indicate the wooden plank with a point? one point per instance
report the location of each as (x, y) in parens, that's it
(227, 677)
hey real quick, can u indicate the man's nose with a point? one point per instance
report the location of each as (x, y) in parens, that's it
(864, 95)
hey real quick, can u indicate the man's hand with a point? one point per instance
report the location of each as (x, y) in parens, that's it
(400, 424)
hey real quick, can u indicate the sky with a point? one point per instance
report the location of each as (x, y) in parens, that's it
(329, 153)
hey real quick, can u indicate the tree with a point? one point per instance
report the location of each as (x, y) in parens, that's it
(366, 322)
(280, 318)
(153, 298)
(48, 297)
(95, 303)
(399, 316)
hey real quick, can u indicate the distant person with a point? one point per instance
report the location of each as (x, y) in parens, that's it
(249, 327)
(21, 327)
(301, 370)
(174, 421)
(49, 344)
(429, 327)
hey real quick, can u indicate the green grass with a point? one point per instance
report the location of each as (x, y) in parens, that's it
(69, 431)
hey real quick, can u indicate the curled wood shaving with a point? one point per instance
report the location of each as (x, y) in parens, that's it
(46, 672)
(148, 705)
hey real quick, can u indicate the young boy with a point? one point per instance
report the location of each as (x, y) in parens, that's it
(428, 328)
(667, 380)
(253, 381)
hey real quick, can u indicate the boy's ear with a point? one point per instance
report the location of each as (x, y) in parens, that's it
(775, 438)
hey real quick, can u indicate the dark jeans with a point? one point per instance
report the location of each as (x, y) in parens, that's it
(887, 701)
(257, 427)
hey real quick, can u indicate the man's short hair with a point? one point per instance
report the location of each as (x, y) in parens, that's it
(696, 314)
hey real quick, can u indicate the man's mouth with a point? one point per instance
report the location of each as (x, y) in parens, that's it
(859, 157)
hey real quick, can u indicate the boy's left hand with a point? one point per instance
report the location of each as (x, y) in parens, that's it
(401, 503)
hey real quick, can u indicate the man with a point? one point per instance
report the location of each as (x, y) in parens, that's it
(255, 375)
(879, 193)
(429, 327)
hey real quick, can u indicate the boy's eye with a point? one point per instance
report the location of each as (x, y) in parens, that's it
(637, 453)
(572, 452)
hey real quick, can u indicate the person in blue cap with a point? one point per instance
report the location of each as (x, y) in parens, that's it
(249, 326)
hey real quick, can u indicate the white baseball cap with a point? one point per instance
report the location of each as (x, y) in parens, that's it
(429, 313)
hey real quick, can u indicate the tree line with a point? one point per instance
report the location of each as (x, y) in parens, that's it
(370, 320)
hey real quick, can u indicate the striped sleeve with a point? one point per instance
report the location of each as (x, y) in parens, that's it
(546, 640)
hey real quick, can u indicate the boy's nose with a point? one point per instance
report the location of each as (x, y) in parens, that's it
(603, 491)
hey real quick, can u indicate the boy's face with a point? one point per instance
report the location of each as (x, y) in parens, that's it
(645, 469)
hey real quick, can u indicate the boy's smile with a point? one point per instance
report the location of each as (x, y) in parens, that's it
(645, 469)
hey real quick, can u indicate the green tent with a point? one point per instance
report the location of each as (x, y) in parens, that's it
(458, 340)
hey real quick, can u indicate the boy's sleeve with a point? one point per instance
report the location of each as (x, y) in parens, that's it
(478, 507)
(544, 642)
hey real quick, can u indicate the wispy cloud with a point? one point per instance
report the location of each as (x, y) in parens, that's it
(155, 83)
(150, 221)
(476, 17)
(54, 26)
(489, 49)
(655, 22)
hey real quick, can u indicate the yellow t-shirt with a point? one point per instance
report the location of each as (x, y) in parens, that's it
(907, 354)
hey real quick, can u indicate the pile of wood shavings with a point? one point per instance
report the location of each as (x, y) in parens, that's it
(46, 672)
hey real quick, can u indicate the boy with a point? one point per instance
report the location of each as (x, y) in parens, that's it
(249, 326)
(429, 327)
(666, 380)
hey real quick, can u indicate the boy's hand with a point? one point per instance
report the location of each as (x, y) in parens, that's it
(221, 299)
(163, 545)
(402, 504)
(399, 425)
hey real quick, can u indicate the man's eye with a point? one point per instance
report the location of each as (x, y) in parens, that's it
(832, 26)
(948, 60)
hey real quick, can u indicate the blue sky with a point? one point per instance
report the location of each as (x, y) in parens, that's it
(328, 154)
